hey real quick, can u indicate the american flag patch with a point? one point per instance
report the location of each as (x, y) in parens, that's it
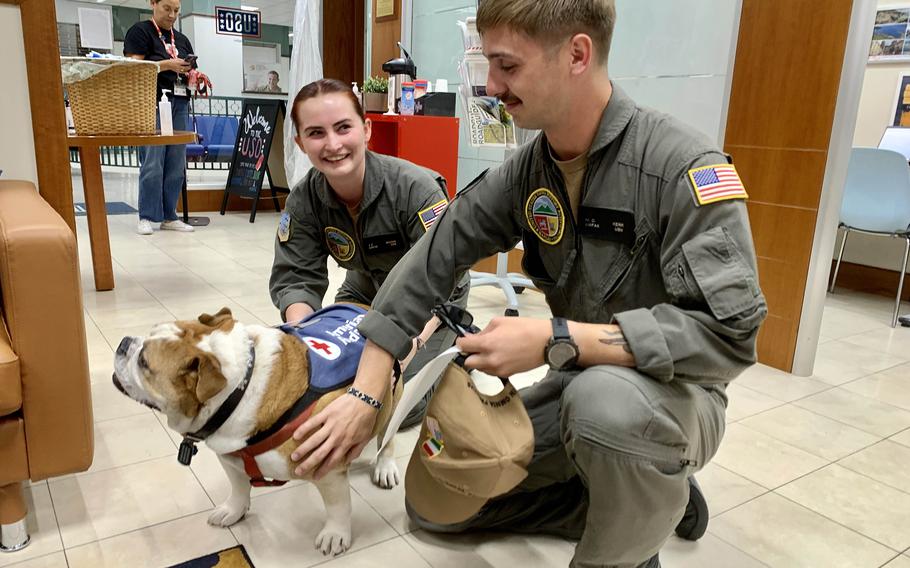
(429, 215)
(717, 183)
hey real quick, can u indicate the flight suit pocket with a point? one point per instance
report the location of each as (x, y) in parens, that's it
(723, 278)
(625, 260)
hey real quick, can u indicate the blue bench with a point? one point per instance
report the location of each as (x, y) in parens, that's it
(216, 138)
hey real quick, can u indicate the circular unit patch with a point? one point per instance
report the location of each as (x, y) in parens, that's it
(545, 215)
(340, 244)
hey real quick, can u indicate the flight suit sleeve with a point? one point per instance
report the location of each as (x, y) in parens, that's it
(707, 332)
(423, 195)
(299, 272)
(479, 222)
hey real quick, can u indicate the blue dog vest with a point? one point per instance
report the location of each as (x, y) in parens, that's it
(333, 344)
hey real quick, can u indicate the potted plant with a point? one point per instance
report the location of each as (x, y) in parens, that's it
(375, 94)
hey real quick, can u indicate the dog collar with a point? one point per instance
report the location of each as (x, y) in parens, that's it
(188, 446)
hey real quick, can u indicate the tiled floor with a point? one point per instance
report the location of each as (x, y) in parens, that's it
(813, 472)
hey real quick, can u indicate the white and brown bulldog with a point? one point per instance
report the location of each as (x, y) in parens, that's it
(188, 370)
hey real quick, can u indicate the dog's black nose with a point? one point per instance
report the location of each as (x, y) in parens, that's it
(124, 346)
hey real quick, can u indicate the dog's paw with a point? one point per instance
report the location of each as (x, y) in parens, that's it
(385, 473)
(226, 515)
(333, 539)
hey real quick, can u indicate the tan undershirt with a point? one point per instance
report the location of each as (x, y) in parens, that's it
(573, 172)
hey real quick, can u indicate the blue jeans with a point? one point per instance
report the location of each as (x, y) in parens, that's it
(162, 170)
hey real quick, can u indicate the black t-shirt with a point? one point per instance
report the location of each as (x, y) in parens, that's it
(143, 39)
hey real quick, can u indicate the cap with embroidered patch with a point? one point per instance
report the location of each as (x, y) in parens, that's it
(472, 447)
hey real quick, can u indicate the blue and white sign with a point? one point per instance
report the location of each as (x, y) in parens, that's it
(234, 21)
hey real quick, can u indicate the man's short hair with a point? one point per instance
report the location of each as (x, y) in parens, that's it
(553, 21)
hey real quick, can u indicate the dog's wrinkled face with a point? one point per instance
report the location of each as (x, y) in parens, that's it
(175, 369)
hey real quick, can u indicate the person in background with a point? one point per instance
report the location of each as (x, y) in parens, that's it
(163, 168)
(636, 230)
(363, 209)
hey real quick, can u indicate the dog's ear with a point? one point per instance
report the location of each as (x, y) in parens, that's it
(218, 320)
(205, 370)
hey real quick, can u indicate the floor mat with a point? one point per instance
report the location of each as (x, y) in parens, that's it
(235, 557)
(113, 208)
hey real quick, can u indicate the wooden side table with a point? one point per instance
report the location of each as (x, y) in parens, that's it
(93, 186)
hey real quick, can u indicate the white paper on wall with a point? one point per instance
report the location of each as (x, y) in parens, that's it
(95, 28)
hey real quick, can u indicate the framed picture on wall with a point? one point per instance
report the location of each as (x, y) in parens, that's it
(891, 35)
(901, 104)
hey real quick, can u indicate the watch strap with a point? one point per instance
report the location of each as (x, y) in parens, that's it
(560, 328)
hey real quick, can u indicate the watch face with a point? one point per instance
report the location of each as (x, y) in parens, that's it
(561, 354)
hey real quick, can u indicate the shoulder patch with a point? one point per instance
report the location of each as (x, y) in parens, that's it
(284, 227)
(340, 244)
(716, 183)
(429, 215)
(545, 215)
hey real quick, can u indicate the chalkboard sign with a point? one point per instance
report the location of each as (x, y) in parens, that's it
(260, 131)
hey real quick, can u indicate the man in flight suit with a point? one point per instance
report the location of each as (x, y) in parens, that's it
(635, 228)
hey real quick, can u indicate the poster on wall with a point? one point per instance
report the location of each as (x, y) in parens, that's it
(264, 78)
(891, 36)
(902, 102)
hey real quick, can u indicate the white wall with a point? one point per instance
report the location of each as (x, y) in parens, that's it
(876, 111)
(17, 146)
(220, 56)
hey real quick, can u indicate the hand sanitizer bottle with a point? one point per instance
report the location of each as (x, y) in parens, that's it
(164, 114)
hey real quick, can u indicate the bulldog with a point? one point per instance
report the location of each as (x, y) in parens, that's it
(244, 389)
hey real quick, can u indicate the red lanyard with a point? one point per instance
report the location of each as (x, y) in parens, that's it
(173, 51)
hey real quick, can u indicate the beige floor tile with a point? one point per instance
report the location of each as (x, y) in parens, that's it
(156, 546)
(837, 362)
(886, 462)
(708, 552)
(858, 411)
(490, 549)
(811, 432)
(724, 489)
(42, 526)
(190, 309)
(387, 502)
(281, 527)
(53, 560)
(129, 440)
(781, 533)
(902, 437)
(113, 319)
(109, 403)
(901, 561)
(745, 402)
(855, 501)
(122, 298)
(763, 459)
(891, 340)
(395, 552)
(260, 306)
(778, 384)
(891, 386)
(839, 323)
(107, 503)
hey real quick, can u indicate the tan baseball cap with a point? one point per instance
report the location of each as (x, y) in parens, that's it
(472, 447)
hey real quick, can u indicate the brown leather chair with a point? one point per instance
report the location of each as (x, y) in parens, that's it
(46, 426)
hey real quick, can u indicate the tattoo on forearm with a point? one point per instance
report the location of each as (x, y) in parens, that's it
(616, 338)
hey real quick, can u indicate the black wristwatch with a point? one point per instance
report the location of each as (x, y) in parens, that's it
(561, 352)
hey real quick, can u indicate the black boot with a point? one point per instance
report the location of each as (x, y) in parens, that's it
(695, 520)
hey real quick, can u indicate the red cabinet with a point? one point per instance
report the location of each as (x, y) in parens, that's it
(429, 141)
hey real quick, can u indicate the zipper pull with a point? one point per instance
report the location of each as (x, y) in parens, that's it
(638, 242)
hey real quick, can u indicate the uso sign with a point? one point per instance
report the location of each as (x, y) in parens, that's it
(234, 21)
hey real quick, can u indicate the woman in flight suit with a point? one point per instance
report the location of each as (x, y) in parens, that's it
(363, 209)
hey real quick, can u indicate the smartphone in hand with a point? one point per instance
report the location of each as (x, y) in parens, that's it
(191, 59)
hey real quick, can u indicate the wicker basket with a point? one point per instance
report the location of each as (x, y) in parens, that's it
(117, 100)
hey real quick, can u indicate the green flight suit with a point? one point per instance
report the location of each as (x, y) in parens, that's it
(613, 446)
